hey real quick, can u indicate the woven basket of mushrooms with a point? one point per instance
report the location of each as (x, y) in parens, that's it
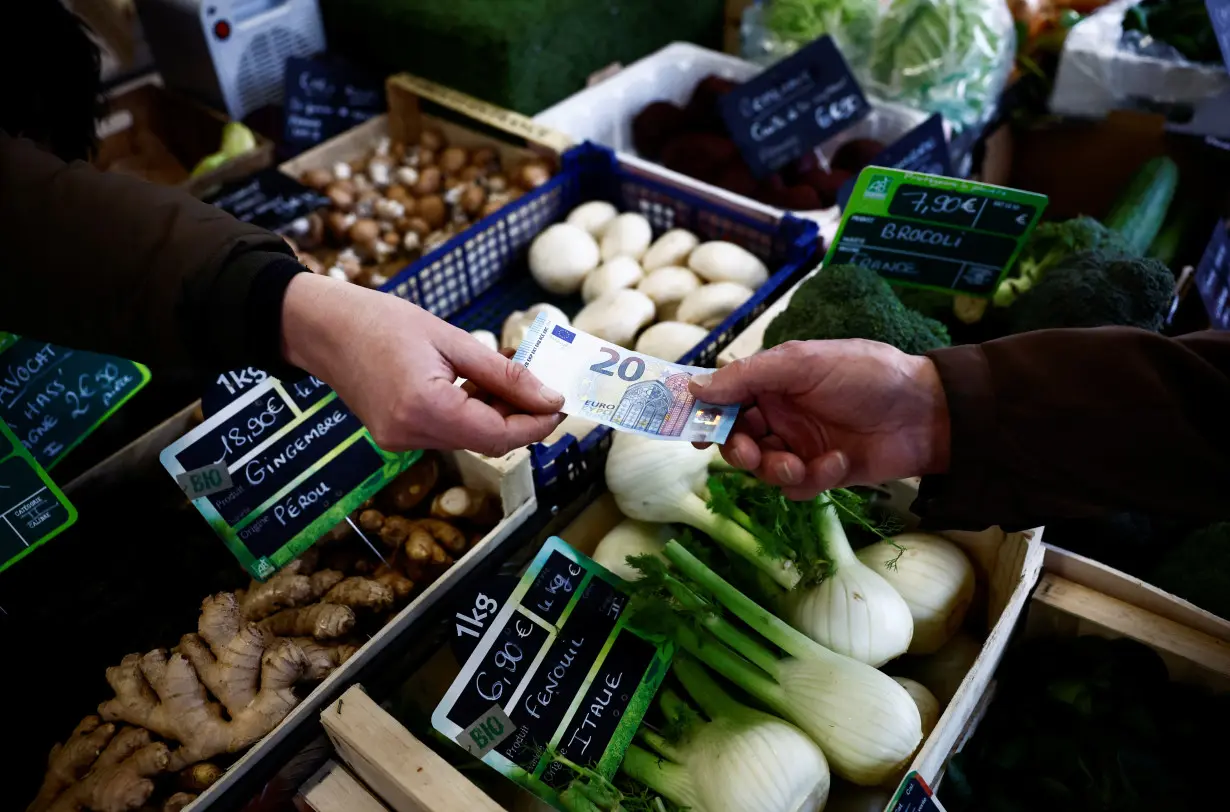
(658, 296)
(401, 201)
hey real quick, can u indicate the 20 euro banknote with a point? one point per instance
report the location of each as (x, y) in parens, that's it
(620, 388)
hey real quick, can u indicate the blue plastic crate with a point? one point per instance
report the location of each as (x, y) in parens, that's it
(481, 275)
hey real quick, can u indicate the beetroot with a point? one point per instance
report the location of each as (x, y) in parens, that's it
(852, 156)
(703, 111)
(655, 125)
(700, 155)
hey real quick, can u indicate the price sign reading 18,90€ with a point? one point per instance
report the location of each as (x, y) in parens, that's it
(934, 232)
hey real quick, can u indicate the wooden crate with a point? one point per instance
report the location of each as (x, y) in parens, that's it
(509, 476)
(406, 119)
(160, 135)
(382, 752)
(334, 789)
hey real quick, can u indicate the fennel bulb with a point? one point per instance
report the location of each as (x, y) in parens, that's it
(631, 538)
(933, 576)
(740, 760)
(928, 706)
(866, 724)
(943, 671)
(854, 611)
(660, 482)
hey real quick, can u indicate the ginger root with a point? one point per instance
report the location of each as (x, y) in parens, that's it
(441, 532)
(324, 621)
(251, 673)
(461, 502)
(118, 780)
(411, 486)
(178, 801)
(289, 587)
(391, 577)
(323, 659)
(426, 554)
(70, 761)
(361, 593)
(198, 777)
(322, 582)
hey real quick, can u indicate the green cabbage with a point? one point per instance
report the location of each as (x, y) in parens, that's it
(849, 22)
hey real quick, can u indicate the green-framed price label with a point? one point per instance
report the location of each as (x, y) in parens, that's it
(277, 468)
(32, 508)
(934, 232)
(54, 397)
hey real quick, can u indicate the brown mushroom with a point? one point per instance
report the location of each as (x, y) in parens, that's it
(419, 226)
(399, 193)
(454, 159)
(429, 182)
(392, 239)
(432, 139)
(364, 231)
(433, 211)
(427, 157)
(318, 178)
(341, 197)
(472, 173)
(532, 174)
(338, 223)
(473, 197)
(485, 158)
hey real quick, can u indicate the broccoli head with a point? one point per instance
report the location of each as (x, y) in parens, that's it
(1051, 244)
(847, 301)
(1095, 289)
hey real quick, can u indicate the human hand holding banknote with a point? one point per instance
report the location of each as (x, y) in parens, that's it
(620, 388)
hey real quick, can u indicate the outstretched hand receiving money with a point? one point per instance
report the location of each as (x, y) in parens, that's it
(620, 388)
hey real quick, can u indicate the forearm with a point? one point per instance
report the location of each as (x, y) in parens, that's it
(109, 263)
(1066, 423)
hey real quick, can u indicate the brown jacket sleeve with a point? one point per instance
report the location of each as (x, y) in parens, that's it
(1068, 423)
(110, 263)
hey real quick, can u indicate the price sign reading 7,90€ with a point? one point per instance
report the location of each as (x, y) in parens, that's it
(277, 468)
(934, 232)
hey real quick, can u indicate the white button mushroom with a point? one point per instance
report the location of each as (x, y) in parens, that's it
(518, 323)
(616, 317)
(669, 340)
(620, 272)
(710, 305)
(561, 256)
(720, 261)
(672, 248)
(342, 171)
(593, 217)
(628, 235)
(667, 287)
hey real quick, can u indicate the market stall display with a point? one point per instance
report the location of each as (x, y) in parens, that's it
(684, 772)
(401, 185)
(664, 108)
(266, 651)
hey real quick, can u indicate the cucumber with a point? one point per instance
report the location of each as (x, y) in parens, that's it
(1170, 239)
(1140, 211)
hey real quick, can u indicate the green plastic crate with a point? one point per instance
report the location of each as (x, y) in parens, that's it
(524, 55)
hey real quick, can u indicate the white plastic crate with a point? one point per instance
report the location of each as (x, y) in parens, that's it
(604, 113)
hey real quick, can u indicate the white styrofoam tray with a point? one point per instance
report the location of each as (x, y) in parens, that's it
(604, 112)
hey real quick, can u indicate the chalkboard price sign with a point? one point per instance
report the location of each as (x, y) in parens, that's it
(325, 97)
(923, 149)
(32, 508)
(299, 463)
(54, 397)
(568, 674)
(1213, 277)
(268, 199)
(790, 108)
(925, 231)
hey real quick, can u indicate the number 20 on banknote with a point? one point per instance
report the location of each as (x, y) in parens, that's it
(620, 388)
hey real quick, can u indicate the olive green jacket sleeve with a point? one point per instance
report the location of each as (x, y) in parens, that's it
(1069, 423)
(104, 262)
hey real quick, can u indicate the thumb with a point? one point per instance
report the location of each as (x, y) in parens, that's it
(742, 381)
(505, 380)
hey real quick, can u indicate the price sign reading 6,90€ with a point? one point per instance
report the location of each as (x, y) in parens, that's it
(933, 232)
(557, 675)
(277, 468)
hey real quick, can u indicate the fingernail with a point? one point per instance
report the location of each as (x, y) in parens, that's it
(786, 474)
(737, 459)
(550, 394)
(702, 379)
(834, 468)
